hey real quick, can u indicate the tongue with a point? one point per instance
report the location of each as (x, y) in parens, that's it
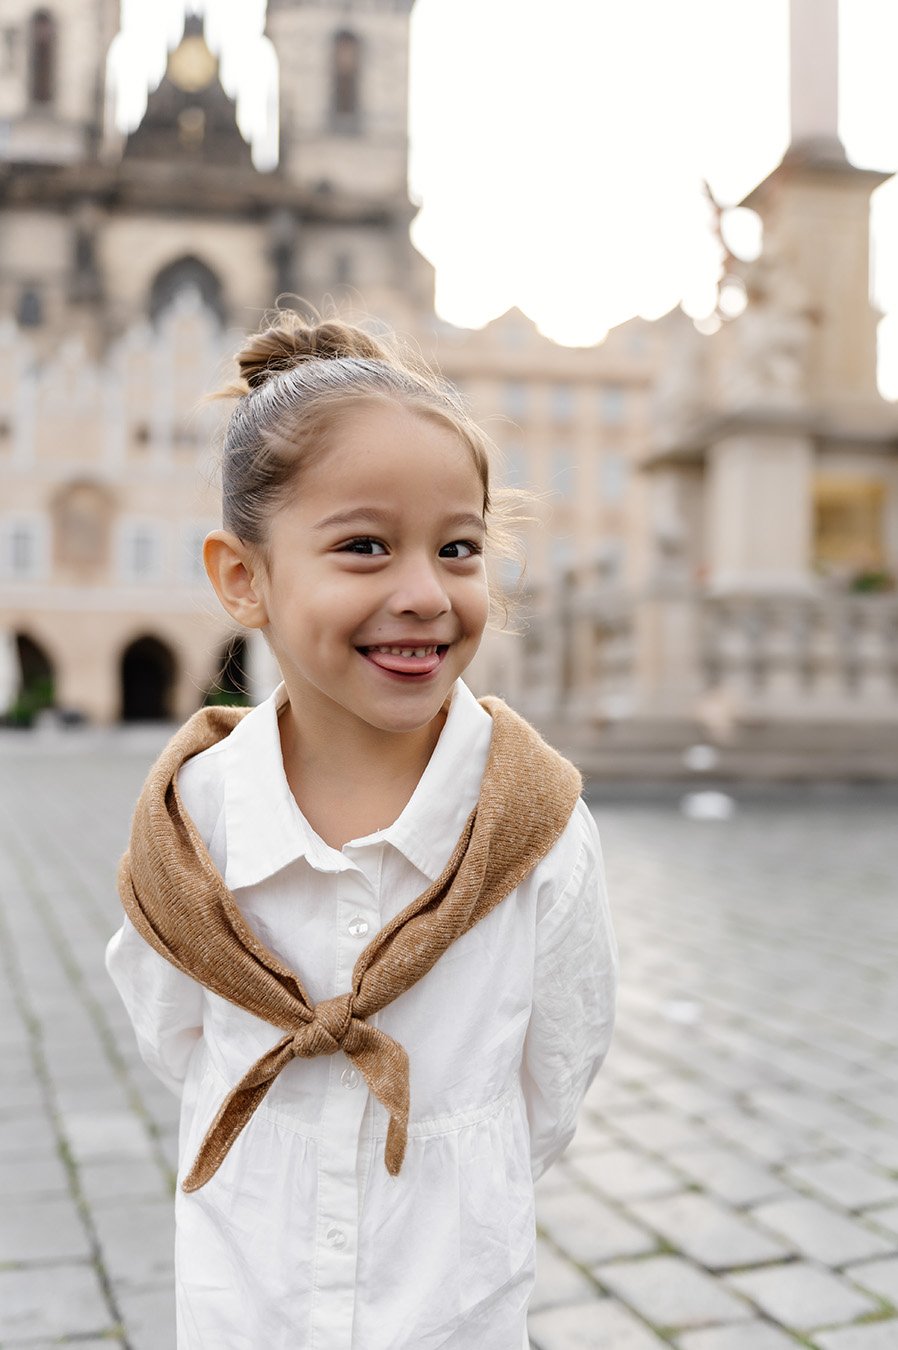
(405, 665)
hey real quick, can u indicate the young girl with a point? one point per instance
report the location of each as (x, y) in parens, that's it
(367, 939)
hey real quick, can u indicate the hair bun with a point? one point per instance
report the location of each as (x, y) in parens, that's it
(290, 341)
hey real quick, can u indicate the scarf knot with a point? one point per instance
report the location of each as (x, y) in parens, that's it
(325, 1033)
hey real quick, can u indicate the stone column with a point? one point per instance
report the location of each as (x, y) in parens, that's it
(814, 71)
(759, 502)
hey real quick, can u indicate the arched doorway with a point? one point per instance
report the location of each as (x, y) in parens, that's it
(36, 681)
(147, 678)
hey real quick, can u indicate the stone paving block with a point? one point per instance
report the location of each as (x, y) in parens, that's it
(42, 1175)
(149, 1317)
(590, 1135)
(802, 1296)
(819, 1232)
(27, 1136)
(137, 1241)
(624, 1174)
(588, 1230)
(98, 1136)
(728, 1173)
(168, 1143)
(847, 1183)
(611, 1100)
(874, 1336)
(886, 1218)
(772, 1143)
(739, 1073)
(880, 1146)
(111, 1182)
(670, 1292)
(104, 1344)
(739, 1336)
(880, 1276)
(709, 1231)
(16, 1066)
(51, 1301)
(602, 1325)
(627, 1064)
(556, 1179)
(21, 1096)
(822, 1115)
(558, 1280)
(91, 1098)
(659, 1130)
(690, 1097)
(883, 1104)
(42, 1230)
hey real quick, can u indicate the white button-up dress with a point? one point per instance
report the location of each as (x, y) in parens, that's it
(302, 1239)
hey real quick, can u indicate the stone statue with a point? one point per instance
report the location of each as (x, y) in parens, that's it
(768, 346)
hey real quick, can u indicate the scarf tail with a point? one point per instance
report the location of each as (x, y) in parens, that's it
(235, 1112)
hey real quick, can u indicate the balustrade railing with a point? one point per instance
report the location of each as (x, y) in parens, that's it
(820, 654)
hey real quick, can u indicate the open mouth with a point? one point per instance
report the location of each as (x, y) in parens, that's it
(406, 661)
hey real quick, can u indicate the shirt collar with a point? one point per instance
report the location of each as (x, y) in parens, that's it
(266, 830)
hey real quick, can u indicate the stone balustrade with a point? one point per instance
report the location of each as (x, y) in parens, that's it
(804, 657)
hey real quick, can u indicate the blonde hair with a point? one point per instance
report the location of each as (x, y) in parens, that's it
(297, 380)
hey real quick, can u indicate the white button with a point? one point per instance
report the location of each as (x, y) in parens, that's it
(349, 1078)
(335, 1237)
(358, 926)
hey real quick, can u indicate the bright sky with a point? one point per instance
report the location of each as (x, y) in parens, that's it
(558, 146)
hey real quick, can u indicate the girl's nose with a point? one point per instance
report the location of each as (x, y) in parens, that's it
(420, 591)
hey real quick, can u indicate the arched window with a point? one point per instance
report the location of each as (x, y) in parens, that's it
(42, 57)
(82, 515)
(186, 274)
(345, 72)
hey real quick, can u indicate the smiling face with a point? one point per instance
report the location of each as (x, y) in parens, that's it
(374, 591)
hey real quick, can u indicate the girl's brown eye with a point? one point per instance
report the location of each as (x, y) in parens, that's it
(460, 548)
(367, 547)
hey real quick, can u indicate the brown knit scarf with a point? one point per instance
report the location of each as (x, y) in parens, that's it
(178, 902)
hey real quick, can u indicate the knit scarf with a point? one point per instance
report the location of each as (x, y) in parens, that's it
(179, 903)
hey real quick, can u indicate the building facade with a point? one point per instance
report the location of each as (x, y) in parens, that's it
(132, 265)
(716, 522)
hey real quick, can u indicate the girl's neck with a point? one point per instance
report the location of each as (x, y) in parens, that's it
(349, 781)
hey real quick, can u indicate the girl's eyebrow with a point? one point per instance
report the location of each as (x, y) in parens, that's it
(466, 520)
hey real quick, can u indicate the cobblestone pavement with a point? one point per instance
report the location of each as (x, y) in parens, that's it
(734, 1181)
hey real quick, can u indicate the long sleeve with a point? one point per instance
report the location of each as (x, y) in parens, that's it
(165, 1006)
(575, 984)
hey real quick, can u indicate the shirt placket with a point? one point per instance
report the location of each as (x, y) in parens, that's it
(344, 1108)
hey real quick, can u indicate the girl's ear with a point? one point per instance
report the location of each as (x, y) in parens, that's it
(235, 575)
